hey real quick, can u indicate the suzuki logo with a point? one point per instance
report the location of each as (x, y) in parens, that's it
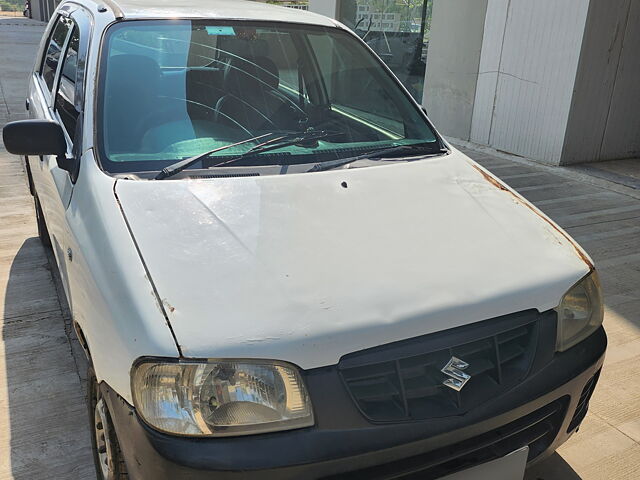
(454, 369)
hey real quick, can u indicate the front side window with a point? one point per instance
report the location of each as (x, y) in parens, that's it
(54, 49)
(171, 90)
(65, 97)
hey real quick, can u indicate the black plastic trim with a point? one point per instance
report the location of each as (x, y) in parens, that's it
(342, 440)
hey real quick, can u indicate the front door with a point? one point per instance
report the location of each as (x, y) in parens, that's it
(56, 94)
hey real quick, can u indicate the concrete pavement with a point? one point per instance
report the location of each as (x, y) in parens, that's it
(43, 421)
(604, 217)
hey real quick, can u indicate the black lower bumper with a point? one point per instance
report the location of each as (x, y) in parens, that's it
(343, 444)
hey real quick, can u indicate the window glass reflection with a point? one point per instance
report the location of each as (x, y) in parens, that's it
(398, 31)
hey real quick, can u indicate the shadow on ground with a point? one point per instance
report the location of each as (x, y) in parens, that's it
(552, 468)
(48, 432)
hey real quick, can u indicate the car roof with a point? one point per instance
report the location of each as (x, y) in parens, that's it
(215, 9)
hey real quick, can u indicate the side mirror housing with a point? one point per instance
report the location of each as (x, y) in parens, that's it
(34, 137)
(38, 137)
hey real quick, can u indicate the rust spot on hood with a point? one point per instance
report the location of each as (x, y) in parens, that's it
(168, 306)
(496, 183)
(490, 179)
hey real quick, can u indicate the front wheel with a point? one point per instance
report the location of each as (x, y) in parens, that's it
(106, 449)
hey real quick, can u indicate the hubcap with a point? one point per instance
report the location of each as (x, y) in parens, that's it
(103, 444)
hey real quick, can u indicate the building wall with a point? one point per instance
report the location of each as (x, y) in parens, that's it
(43, 9)
(328, 8)
(452, 64)
(527, 70)
(36, 10)
(604, 122)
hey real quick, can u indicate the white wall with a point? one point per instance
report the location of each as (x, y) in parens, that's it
(328, 8)
(453, 57)
(528, 66)
(622, 133)
(604, 122)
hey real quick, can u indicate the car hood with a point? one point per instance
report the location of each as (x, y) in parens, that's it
(309, 267)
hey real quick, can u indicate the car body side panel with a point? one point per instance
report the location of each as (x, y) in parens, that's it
(300, 268)
(111, 296)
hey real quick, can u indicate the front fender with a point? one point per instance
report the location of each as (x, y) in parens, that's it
(110, 295)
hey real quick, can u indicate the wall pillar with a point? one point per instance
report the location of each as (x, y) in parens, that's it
(328, 8)
(453, 58)
(604, 121)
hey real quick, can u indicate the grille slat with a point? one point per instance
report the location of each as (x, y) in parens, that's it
(513, 335)
(481, 366)
(510, 352)
(356, 376)
(376, 391)
(413, 381)
(419, 391)
(474, 348)
(420, 372)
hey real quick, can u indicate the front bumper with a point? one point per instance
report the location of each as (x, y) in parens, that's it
(343, 444)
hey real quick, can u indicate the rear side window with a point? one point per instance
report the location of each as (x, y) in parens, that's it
(65, 98)
(52, 56)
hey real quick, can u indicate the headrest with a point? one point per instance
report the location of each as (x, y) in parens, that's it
(268, 71)
(248, 75)
(130, 67)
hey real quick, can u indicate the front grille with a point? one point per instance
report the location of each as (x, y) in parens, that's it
(583, 402)
(408, 383)
(536, 430)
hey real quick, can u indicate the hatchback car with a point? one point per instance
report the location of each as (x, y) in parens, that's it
(278, 268)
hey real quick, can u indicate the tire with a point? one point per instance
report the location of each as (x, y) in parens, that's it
(107, 456)
(43, 233)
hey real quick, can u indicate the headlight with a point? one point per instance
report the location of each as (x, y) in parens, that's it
(580, 312)
(220, 398)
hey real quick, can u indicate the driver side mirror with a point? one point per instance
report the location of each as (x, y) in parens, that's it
(37, 137)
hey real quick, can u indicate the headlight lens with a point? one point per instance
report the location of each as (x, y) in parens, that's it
(220, 398)
(580, 312)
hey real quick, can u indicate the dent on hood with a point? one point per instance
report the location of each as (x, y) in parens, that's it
(299, 268)
(240, 217)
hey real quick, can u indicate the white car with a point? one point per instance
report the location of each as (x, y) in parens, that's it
(279, 269)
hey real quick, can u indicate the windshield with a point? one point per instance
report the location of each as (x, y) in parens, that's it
(173, 89)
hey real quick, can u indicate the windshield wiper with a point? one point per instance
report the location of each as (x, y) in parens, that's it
(278, 142)
(374, 154)
(187, 162)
